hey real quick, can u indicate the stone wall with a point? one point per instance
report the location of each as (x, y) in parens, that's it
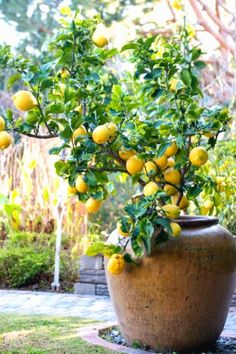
(92, 277)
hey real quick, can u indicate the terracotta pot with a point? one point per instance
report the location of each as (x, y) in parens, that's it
(178, 298)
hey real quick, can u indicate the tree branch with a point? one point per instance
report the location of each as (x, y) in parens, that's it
(203, 22)
(215, 18)
(36, 135)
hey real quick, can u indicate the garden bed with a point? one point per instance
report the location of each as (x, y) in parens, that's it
(109, 336)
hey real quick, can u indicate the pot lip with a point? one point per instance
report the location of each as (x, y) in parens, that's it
(196, 220)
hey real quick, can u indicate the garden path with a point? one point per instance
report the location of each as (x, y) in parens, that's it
(86, 306)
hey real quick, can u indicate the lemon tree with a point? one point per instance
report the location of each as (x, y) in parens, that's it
(151, 125)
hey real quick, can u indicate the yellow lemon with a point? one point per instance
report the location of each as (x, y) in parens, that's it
(5, 140)
(64, 73)
(101, 134)
(208, 204)
(113, 130)
(191, 31)
(172, 176)
(177, 5)
(71, 190)
(150, 188)
(93, 205)
(170, 190)
(176, 229)
(194, 139)
(2, 124)
(125, 154)
(219, 179)
(204, 211)
(99, 38)
(171, 211)
(161, 162)
(134, 164)
(198, 156)
(171, 150)
(78, 109)
(24, 100)
(208, 135)
(80, 185)
(184, 202)
(116, 264)
(150, 169)
(170, 162)
(173, 85)
(79, 131)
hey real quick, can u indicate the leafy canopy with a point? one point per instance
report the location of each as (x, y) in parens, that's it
(156, 106)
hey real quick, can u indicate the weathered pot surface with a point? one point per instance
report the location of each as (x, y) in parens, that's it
(178, 298)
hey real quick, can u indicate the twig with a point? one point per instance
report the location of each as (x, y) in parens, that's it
(35, 135)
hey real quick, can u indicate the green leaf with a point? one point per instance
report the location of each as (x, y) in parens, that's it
(194, 191)
(12, 79)
(199, 64)
(186, 77)
(56, 150)
(135, 210)
(90, 178)
(66, 133)
(55, 108)
(147, 243)
(128, 258)
(130, 46)
(162, 149)
(165, 223)
(196, 52)
(46, 84)
(117, 90)
(95, 249)
(138, 250)
(161, 237)
(111, 249)
(158, 93)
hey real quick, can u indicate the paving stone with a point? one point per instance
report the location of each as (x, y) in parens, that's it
(102, 289)
(87, 306)
(92, 276)
(84, 289)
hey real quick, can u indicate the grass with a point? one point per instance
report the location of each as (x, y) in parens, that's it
(40, 334)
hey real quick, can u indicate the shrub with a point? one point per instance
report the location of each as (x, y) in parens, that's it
(27, 259)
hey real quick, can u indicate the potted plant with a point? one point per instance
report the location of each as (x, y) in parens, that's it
(170, 276)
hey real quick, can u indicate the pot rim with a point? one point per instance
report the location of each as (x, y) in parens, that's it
(196, 220)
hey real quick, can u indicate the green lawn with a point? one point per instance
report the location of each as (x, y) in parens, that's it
(41, 334)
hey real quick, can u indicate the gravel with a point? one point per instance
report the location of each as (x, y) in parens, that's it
(224, 345)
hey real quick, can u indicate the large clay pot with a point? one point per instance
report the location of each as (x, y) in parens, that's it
(178, 298)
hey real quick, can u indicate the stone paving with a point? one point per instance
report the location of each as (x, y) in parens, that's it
(85, 306)
(56, 304)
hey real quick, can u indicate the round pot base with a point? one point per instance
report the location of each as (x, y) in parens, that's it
(178, 297)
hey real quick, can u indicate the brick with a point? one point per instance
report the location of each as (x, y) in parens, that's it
(84, 289)
(91, 262)
(102, 289)
(92, 276)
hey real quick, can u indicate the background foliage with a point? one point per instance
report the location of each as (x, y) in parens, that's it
(27, 260)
